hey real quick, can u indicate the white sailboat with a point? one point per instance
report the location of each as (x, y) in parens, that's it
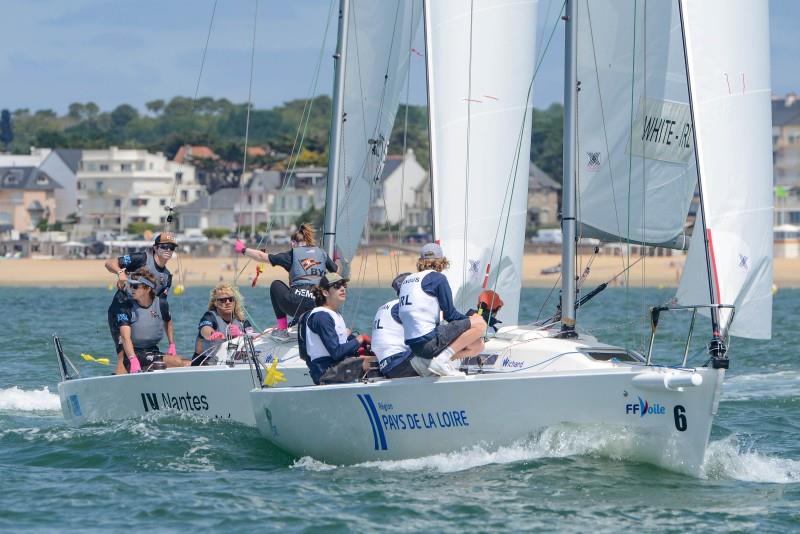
(373, 42)
(535, 377)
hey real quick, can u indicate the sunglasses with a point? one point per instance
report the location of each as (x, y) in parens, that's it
(225, 300)
(339, 285)
(166, 247)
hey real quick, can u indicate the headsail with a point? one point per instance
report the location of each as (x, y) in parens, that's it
(636, 167)
(481, 58)
(727, 50)
(379, 34)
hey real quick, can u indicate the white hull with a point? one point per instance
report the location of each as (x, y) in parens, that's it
(417, 417)
(215, 391)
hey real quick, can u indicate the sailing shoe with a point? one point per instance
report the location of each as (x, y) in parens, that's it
(420, 365)
(280, 334)
(443, 366)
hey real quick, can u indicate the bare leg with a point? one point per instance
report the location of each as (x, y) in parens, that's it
(473, 349)
(120, 365)
(175, 361)
(477, 327)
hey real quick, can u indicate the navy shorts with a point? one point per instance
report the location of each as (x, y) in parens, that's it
(444, 335)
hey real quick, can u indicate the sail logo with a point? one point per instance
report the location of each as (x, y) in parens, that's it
(378, 435)
(643, 408)
(593, 163)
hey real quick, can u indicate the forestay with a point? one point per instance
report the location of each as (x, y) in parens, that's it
(636, 165)
(481, 58)
(727, 50)
(378, 48)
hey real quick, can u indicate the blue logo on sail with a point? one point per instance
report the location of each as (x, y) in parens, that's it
(378, 436)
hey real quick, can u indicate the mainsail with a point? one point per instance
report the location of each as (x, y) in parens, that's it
(481, 58)
(378, 49)
(726, 46)
(635, 152)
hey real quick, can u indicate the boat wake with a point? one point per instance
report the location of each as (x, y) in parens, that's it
(37, 400)
(728, 459)
(776, 385)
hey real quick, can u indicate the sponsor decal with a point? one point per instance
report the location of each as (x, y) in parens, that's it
(593, 161)
(166, 401)
(122, 317)
(272, 427)
(514, 364)
(308, 263)
(664, 131)
(384, 419)
(643, 407)
(743, 262)
(75, 406)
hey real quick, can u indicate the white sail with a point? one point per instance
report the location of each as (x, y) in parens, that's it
(727, 50)
(378, 48)
(636, 165)
(480, 66)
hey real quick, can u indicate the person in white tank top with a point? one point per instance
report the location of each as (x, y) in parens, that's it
(388, 338)
(426, 298)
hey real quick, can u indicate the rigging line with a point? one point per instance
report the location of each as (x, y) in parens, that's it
(542, 34)
(515, 159)
(644, 314)
(547, 298)
(605, 129)
(247, 118)
(630, 174)
(464, 259)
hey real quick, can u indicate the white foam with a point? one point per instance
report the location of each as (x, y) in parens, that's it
(780, 384)
(727, 459)
(310, 464)
(37, 400)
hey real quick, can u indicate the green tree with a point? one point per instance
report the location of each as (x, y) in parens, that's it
(216, 233)
(122, 115)
(312, 215)
(547, 140)
(92, 110)
(77, 111)
(138, 228)
(6, 130)
(155, 106)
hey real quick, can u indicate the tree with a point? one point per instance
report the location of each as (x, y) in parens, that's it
(216, 233)
(155, 106)
(76, 111)
(312, 215)
(6, 131)
(92, 110)
(138, 228)
(122, 115)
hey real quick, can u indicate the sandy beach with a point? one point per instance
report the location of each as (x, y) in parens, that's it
(374, 269)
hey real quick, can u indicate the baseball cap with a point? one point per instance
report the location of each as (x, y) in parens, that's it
(331, 278)
(165, 238)
(398, 280)
(431, 251)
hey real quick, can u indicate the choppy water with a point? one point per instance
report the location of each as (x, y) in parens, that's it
(177, 472)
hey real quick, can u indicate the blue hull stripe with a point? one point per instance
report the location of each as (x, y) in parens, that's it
(381, 435)
(371, 422)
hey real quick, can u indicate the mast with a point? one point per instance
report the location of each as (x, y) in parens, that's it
(337, 120)
(568, 200)
(432, 166)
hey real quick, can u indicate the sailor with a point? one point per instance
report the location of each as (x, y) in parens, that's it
(326, 344)
(155, 260)
(424, 298)
(306, 264)
(489, 304)
(139, 325)
(223, 320)
(388, 339)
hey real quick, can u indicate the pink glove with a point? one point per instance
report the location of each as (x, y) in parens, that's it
(135, 366)
(172, 351)
(217, 336)
(234, 331)
(239, 246)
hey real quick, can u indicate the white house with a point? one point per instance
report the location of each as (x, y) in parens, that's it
(118, 186)
(394, 195)
(61, 166)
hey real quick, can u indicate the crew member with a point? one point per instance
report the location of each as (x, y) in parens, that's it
(306, 264)
(139, 325)
(223, 320)
(388, 339)
(326, 344)
(424, 298)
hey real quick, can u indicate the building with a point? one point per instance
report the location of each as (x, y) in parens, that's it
(544, 195)
(117, 187)
(393, 195)
(27, 197)
(419, 216)
(210, 211)
(786, 158)
(61, 166)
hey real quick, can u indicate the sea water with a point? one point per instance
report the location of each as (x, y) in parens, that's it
(178, 472)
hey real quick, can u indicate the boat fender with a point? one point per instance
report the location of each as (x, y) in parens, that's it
(668, 381)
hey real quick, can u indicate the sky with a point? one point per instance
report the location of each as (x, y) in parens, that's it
(56, 52)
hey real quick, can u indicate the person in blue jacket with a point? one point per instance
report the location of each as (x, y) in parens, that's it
(426, 297)
(326, 344)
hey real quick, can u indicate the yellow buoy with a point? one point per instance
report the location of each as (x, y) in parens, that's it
(774, 289)
(179, 289)
(111, 287)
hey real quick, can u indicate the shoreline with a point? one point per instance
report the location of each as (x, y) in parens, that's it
(376, 272)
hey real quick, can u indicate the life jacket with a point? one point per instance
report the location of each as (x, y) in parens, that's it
(204, 344)
(162, 274)
(308, 266)
(418, 311)
(147, 325)
(314, 347)
(387, 333)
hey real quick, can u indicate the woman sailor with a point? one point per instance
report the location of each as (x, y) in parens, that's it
(224, 319)
(306, 264)
(388, 339)
(426, 296)
(155, 260)
(326, 344)
(139, 324)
